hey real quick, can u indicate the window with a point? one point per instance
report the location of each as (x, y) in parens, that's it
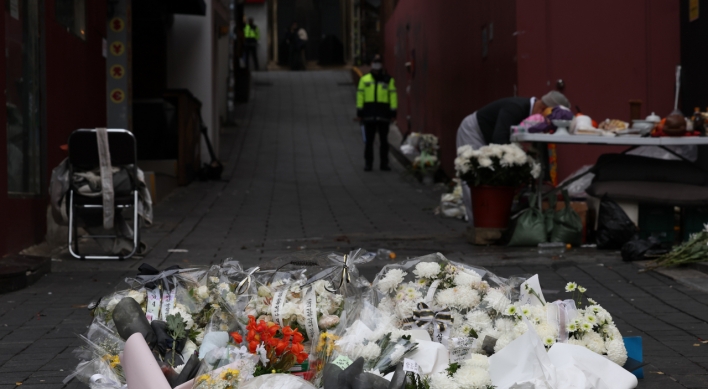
(72, 15)
(23, 104)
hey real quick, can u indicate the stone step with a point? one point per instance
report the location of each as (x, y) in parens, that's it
(20, 271)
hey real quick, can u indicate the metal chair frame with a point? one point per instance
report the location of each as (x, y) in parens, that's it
(118, 160)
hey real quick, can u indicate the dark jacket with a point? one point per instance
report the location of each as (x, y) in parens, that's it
(495, 120)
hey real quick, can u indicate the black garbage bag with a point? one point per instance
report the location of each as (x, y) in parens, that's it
(614, 227)
(643, 249)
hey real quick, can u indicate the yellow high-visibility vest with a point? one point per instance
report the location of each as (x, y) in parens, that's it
(251, 32)
(370, 91)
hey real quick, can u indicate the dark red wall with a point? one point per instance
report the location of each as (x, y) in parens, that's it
(74, 98)
(451, 78)
(607, 52)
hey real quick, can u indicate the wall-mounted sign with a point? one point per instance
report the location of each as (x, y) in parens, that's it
(117, 48)
(117, 72)
(118, 77)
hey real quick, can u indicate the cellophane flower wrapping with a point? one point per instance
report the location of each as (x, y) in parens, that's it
(99, 356)
(225, 368)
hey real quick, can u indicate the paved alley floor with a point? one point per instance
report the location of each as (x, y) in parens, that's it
(294, 183)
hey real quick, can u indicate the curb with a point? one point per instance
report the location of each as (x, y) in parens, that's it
(20, 271)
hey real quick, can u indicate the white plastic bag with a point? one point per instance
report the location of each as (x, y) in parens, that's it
(277, 381)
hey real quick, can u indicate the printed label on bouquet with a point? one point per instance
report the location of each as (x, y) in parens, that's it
(411, 366)
(431, 292)
(460, 342)
(342, 361)
(277, 306)
(168, 302)
(459, 354)
(153, 304)
(313, 331)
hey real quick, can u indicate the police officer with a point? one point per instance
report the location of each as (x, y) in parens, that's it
(251, 35)
(376, 104)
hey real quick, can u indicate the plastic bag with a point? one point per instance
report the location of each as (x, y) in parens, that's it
(530, 229)
(576, 189)
(614, 227)
(634, 250)
(567, 225)
(451, 204)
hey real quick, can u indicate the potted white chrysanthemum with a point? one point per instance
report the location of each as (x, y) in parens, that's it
(494, 173)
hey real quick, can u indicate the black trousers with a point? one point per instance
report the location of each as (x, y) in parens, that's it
(370, 131)
(251, 50)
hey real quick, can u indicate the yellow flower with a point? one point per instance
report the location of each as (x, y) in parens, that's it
(230, 374)
(203, 379)
(115, 361)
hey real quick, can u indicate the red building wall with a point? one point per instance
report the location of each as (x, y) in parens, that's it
(74, 97)
(451, 79)
(607, 52)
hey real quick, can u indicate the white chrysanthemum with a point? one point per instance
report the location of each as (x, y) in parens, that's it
(264, 291)
(231, 298)
(404, 309)
(224, 288)
(616, 351)
(546, 330)
(479, 320)
(576, 342)
(496, 300)
(443, 381)
(572, 327)
(503, 341)
(186, 317)
(321, 286)
(581, 289)
(427, 270)
(594, 342)
(485, 162)
(585, 326)
(461, 297)
(397, 333)
(511, 310)
(138, 296)
(591, 301)
(520, 328)
(571, 286)
(371, 351)
(203, 292)
(549, 341)
(590, 318)
(467, 278)
(476, 360)
(464, 149)
(504, 325)
(473, 377)
(393, 278)
(214, 280)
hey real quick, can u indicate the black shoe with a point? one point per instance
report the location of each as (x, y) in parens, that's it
(386, 168)
(367, 168)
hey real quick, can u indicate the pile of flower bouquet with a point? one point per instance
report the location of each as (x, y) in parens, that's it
(424, 323)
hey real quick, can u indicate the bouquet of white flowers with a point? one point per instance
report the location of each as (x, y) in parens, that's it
(495, 165)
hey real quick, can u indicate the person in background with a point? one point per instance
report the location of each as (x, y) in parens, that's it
(302, 36)
(292, 39)
(252, 35)
(492, 123)
(376, 105)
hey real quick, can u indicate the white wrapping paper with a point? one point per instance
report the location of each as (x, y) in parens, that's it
(524, 363)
